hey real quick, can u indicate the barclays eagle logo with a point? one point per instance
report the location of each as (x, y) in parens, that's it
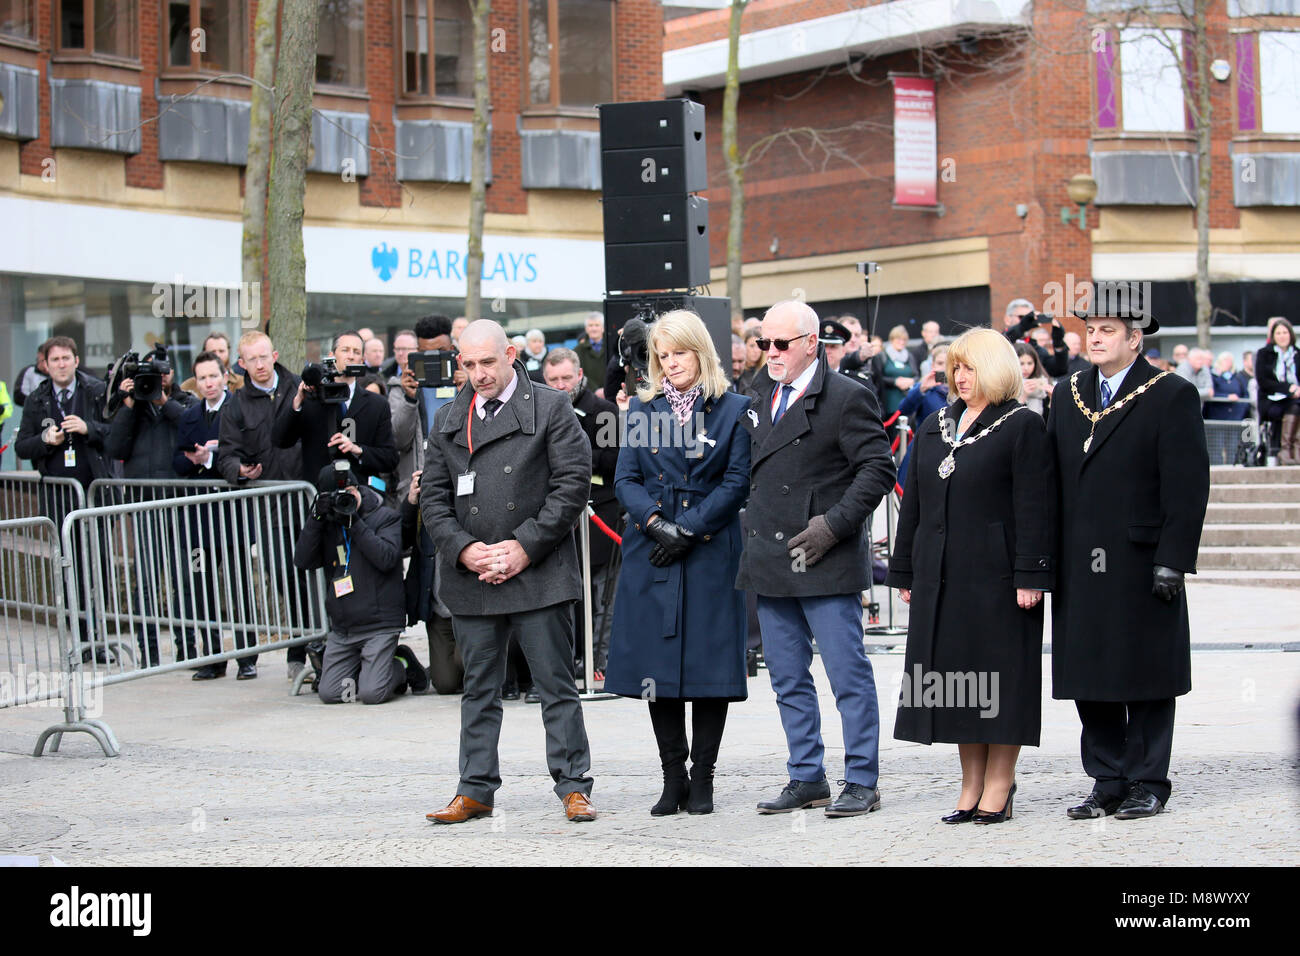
(384, 260)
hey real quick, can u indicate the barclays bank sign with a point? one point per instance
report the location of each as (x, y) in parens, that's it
(424, 262)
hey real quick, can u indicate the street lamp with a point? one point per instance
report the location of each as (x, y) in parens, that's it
(1082, 189)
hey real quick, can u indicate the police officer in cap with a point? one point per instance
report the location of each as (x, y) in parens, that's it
(1134, 479)
(835, 338)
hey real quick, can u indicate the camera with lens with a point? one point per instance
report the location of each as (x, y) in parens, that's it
(323, 376)
(146, 374)
(338, 504)
(436, 369)
(634, 344)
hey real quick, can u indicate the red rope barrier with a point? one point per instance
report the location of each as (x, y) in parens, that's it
(892, 418)
(609, 532)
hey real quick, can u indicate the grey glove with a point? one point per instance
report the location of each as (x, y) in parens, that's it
(1167, 583)
(814, 540)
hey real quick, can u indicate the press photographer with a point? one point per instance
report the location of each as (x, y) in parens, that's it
(357, 540)
(429, 380)
(336, 420)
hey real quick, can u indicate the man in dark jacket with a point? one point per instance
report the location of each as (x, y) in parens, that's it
(359, 429)
(820, 466)
(1134, 479)
(357, 540)
(210, 542)
(245, 452)
(506, 477)
(1020, 320)
(591, 352)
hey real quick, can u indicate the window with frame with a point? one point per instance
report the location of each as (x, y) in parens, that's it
(341, 45)
(1151, 87)
(18, 19)
(99, 28)
(570, 52)
(206, 35)
(446, 27)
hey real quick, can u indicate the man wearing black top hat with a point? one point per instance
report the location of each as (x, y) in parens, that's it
(1134, 481)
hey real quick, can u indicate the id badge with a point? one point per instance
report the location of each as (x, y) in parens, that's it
(70, 458)
(378, 483)
(343, 586)
(465, 484)
(444, 391)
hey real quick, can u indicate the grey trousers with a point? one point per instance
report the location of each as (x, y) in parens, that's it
(546, 638)
(360, 667)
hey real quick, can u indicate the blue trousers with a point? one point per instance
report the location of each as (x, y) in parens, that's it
(788, 626)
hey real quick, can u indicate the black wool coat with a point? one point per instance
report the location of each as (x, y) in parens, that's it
(963, 547)
(41, 407)
(599, 420)
(1134, 500)
(532, 468)
(316, 422)
(828, 455)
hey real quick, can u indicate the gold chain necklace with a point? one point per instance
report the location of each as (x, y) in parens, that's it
(1095, 417)
(949, 464)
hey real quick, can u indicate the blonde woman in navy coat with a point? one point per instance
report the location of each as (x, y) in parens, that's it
(679, 623)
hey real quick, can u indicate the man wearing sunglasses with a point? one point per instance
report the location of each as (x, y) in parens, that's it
(821, 465)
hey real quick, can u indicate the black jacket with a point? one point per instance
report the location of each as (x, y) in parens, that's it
(599, 420)
(1055, 363)
(377, 601)
(246, 422)
(316, 422)
(1266, 372)
(192, 430)
(143, 437)
(40, 406)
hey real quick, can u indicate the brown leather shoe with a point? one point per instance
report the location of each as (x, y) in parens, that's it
(578, 808)
(460, 809)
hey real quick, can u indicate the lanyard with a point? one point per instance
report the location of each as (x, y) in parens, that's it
(347, 551)
(794, 396)
(469, 424)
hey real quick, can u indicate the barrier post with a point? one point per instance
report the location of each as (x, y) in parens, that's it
(588, 691)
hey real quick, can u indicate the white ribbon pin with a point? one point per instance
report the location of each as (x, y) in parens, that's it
(753, 417)
(704, 437)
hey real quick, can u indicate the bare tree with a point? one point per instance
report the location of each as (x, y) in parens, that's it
(259, 150)
(731, 155)
(294, 79)
(482, 11)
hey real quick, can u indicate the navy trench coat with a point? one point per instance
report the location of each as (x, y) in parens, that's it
(679, 631)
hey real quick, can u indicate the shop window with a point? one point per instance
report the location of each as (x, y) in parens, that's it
(1279, 82)
(18, 19)
(445, 27)
(99, 28)
(206, 35)
(570, 53)
(341, 45)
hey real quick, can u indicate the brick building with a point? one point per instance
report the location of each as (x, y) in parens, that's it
(1027, 96)
(122, 144)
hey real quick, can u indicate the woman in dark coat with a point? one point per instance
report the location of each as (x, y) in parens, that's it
(973, 556)
(1279, 391)
(679, 624)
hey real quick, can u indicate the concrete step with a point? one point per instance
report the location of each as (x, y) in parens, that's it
(1252, 513)
(1251, 535)
(1237, 475)
(1272, 493)
(1263, 579)
(1248, 559)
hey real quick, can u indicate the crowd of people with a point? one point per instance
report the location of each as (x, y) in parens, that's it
(742, 495)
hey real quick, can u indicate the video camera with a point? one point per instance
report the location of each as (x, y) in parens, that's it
(323, 377)
(634, 344)
(338, 504)
(146, 374)
(436, 369)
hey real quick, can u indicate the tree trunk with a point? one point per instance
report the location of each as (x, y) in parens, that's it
(259, 158)
(731, 155)
(294, 79)
(482, 10)
(1201, 110)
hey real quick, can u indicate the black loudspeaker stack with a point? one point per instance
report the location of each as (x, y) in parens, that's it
(656, 230)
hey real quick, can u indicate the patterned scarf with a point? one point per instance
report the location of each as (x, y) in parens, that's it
(682, 402)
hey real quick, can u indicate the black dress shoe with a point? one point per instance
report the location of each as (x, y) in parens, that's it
(677, 788)
(798, 795)
(532, 697)
(996, 816)
(510, 692)
(701, 798)
(960, 816)
(1139, 803)
(210, 672)
(246, 672)
(854, 800)
(1096, 805)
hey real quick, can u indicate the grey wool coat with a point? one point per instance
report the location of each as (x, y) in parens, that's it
(532, 473)
(828, 455)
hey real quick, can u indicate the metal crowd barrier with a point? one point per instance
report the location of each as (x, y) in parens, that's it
(34, 632)
(890, 504)
(28, 494)
(1228, 442)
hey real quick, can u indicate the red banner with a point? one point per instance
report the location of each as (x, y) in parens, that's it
(915, 142)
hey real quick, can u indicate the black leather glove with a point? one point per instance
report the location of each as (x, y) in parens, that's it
(814, 540)
(675, 541)
(1168, 583)
(659, 557)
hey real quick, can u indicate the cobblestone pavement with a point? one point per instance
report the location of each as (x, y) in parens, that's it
(241, 773)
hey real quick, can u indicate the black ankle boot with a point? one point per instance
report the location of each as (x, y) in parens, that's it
(677, 787)
(701, 798)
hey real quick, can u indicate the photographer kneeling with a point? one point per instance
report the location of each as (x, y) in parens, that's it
(358, 541)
